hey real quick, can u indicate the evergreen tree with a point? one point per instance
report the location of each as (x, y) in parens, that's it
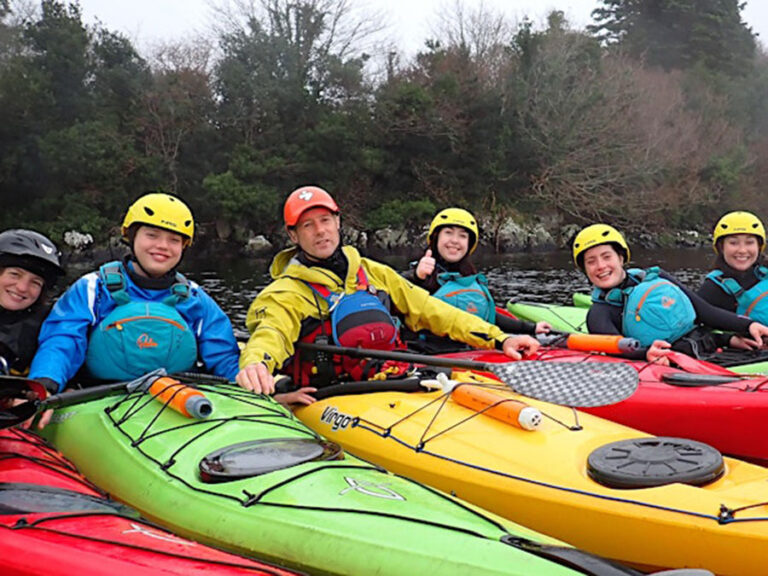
(679, 34)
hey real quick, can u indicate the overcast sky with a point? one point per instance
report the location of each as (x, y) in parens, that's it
(149, 21)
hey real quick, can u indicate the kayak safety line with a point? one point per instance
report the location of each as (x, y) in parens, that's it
(442, 495)
(573, 327)
(378, 514)
(442, 399)
(257, 497)
(252, 499)
(37, 525)
(573, 428)
(52, 461)
(24, 524)
(53, 466)
(728, 513)
(717, 518)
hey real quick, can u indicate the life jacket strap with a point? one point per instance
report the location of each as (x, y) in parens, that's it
(113, 277)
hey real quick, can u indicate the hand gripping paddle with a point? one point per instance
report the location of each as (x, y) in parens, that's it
(580, 385)
(12, 387)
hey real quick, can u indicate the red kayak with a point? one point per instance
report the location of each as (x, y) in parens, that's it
(701, 402)
(53, 521)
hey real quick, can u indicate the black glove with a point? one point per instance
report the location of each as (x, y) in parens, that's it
(51, 385)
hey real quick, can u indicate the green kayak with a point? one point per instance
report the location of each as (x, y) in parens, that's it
(254, 480)
(574, 319)
(565, 318)
(582, 300)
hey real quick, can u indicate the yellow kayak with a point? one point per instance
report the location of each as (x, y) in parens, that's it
(542, 478)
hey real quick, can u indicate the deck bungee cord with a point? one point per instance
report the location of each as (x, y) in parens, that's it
(44, 501)
(440, 401)
(273, 416)
(346, 500)
(536, 477)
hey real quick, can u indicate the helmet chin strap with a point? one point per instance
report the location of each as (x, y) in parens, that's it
(136, 261)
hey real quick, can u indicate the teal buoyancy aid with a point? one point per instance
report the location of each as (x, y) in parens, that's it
(139, 335)
(468, 293)
(751, 302)
(653, 309)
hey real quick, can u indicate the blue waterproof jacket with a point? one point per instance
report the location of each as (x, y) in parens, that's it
(64, 335)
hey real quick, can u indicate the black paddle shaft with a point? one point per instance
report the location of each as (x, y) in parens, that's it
(72, 397)
(10, 416)
(399, 356)
(581, 384)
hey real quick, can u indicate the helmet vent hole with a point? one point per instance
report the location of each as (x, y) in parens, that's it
(605, 233)
(187, 223)
(149, 211)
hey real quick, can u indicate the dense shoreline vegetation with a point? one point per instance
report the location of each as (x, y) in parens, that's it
(655, 119)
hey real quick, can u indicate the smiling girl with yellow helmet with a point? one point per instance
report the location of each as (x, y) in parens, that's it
(446, 271)
(650, 304)
(739, 282)
(139, 314)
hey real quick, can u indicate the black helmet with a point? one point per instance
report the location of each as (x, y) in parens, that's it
(31, 251)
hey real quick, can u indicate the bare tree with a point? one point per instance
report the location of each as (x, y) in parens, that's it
(480, 31)
(318, 26)
(617, 141)
(178, 103)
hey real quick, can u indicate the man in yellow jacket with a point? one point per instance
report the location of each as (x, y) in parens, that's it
(309, 280)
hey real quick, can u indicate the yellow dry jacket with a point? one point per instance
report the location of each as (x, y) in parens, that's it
(277, 315)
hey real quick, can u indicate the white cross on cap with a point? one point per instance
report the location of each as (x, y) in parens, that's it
(305, 195)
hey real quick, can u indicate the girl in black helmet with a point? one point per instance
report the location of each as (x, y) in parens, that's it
(29, 265)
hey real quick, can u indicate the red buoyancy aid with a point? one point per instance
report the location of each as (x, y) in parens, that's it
(358, 320)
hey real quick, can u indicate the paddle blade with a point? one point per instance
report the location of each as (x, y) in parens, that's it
(581, 385)
(21, 388)
(13, 389)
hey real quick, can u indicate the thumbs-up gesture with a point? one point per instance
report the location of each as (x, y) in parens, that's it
(426, 265)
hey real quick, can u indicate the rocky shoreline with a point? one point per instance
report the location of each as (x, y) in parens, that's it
(508, 236)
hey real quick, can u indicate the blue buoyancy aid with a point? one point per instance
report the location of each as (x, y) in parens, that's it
(468, 293)
(138, 335)
(751, 302)
(359, 319)
(653, 309)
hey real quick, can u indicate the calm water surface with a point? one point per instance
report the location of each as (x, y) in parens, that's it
(546, 277)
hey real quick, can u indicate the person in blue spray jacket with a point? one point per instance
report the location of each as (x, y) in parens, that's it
(447, 272)
(650, 304)
(139, 314)
(739, 282)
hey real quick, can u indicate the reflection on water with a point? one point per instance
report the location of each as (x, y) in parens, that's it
(546, 277)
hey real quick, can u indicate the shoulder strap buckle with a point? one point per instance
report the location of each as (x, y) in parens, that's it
(180, 290)
(113, 277)
(729, 285)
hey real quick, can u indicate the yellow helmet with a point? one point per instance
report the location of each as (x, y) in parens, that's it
(738, 223)
(161, 211)
(595, 235)
(455, 217)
